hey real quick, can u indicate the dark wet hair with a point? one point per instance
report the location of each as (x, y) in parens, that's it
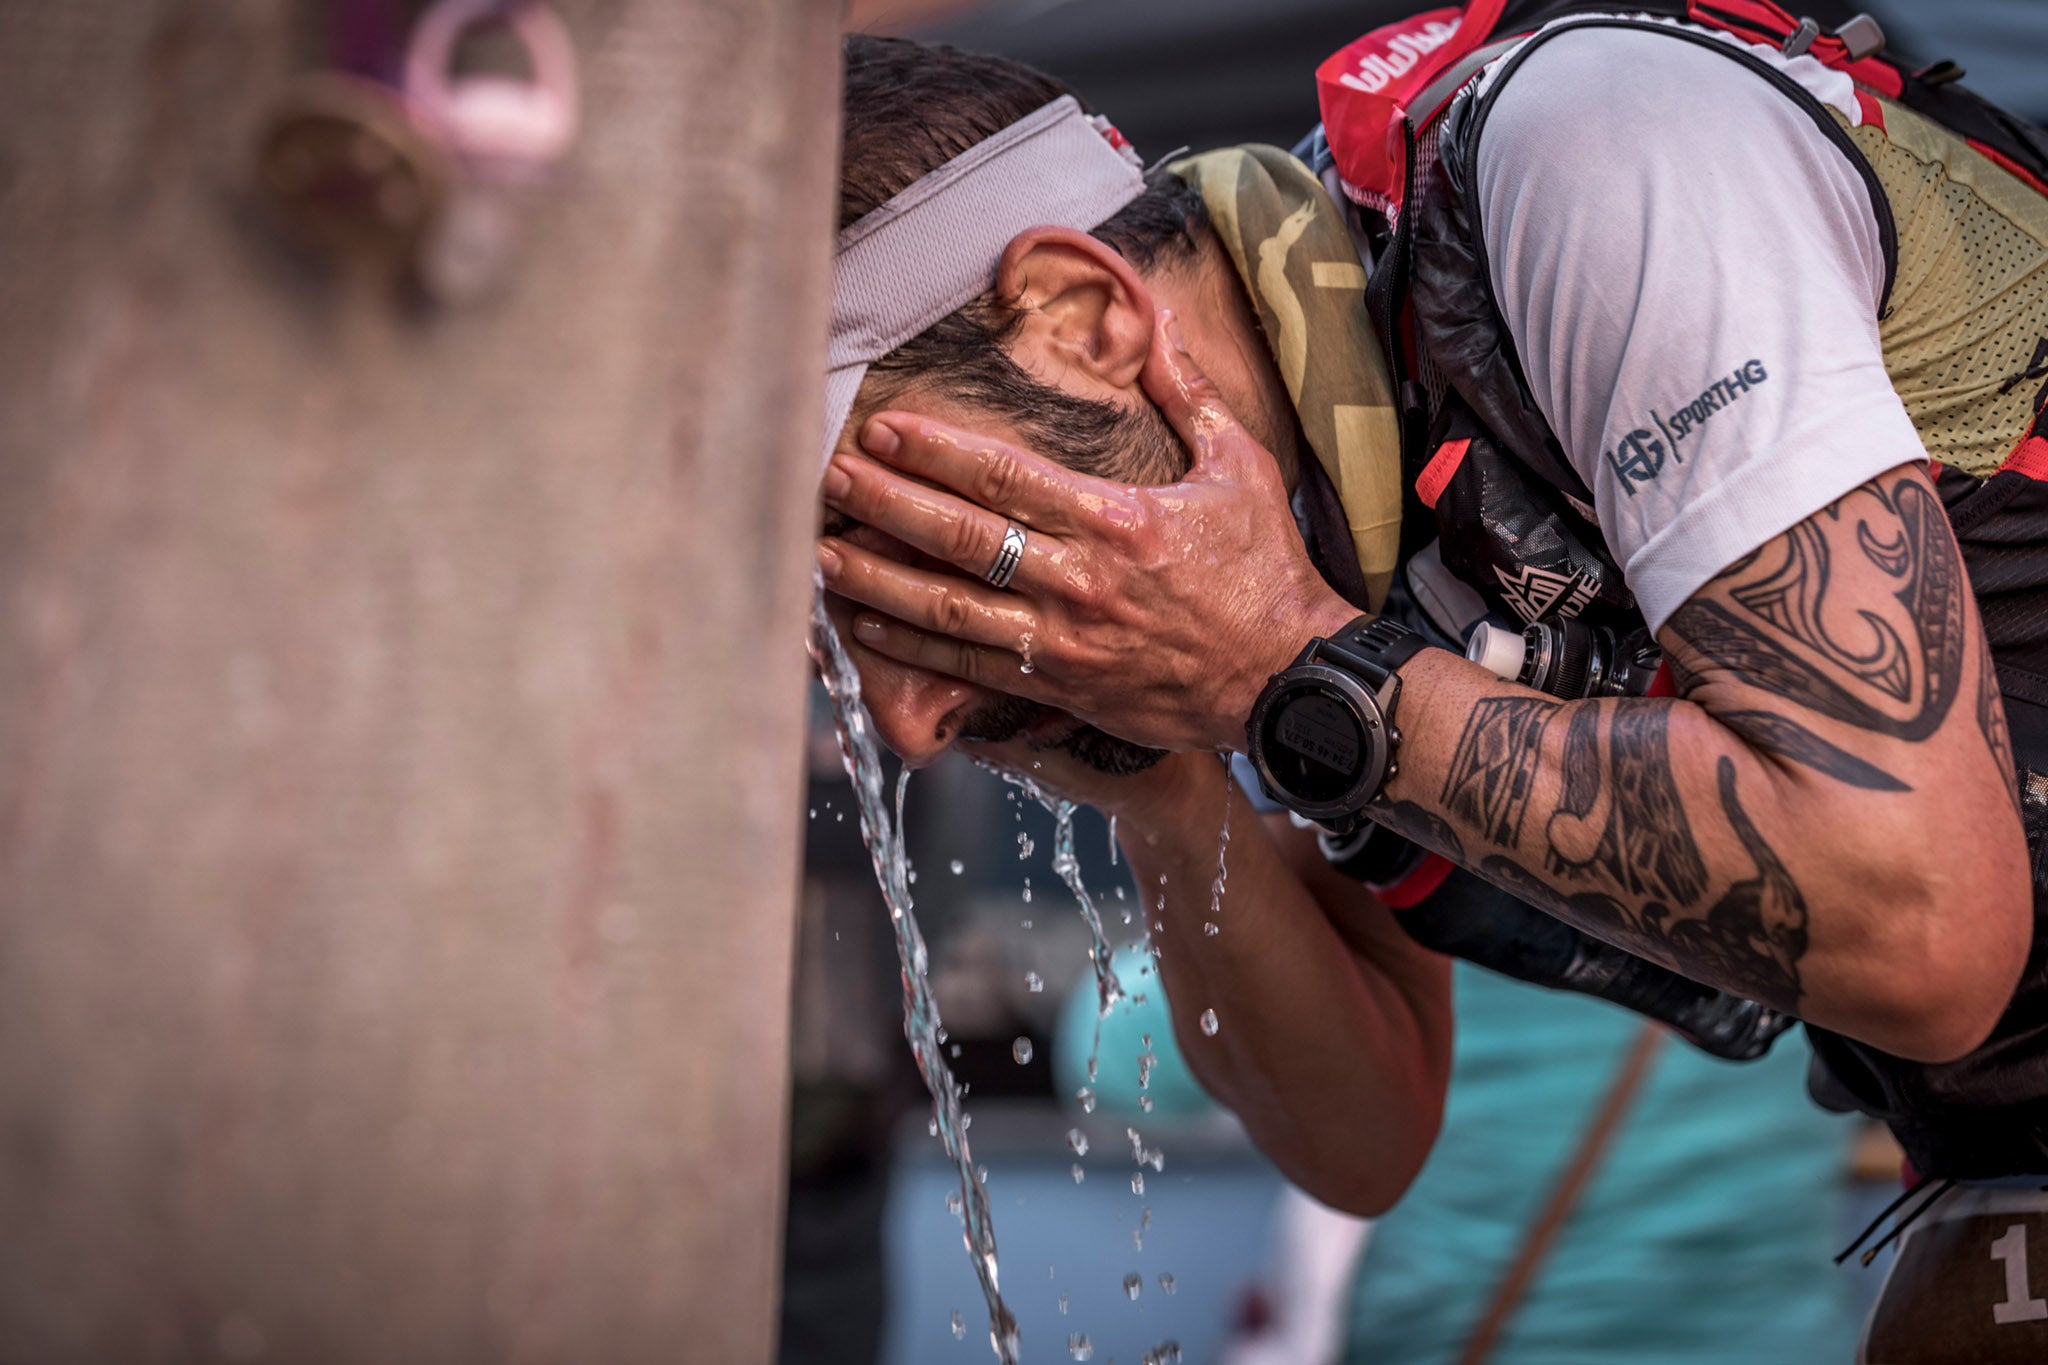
(910, 108)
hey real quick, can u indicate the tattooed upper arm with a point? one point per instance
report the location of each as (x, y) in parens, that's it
(1810, 825)
(1855, 615)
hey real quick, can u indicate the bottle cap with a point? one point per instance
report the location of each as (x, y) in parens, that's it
(1497, 650)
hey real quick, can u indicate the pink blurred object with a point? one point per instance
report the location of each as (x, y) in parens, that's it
(504, 122)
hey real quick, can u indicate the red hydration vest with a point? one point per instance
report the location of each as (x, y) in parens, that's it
(1498, 484)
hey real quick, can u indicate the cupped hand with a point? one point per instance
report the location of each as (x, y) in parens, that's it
(1154, 613)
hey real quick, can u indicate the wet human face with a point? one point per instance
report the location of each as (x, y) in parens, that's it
(920, 714)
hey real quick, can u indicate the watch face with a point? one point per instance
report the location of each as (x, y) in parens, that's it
(1315, 745)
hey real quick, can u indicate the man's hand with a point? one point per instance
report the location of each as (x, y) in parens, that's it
(1154, 613)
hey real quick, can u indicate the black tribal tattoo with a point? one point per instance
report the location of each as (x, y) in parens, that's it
(1774, 631)
(1495, 766)
(1757, 930)
(1619, 813)
(1991, 720)
(1421, 824)
(1752, 936)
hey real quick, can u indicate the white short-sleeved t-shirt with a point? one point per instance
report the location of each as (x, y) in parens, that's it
(1691, 272)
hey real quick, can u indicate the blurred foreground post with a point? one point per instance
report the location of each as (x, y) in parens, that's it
(400, 712)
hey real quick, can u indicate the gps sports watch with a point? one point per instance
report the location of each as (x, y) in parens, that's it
(1321, 736)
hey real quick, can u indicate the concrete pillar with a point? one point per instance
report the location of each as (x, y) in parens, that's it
(400, 712)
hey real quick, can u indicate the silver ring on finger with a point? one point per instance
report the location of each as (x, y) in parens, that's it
(1007, 558)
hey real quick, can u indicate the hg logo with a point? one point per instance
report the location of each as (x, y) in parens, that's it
(1637, 458)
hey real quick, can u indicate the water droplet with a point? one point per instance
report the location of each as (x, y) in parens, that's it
(1027, 891)
(1209, 928)
(1063, 1305)
(954, 1051)
(957, 867)
(1145, 1103)
(981, 1174)
(1134, 1284)
(1025, 848)
(959, 1326)
(911, 876)
(1166, 1284)
(1079, 1174)
(932, 1127)
(1087, 1098)
(1162, 879)
(1033, 982)
(1077, 1140)
(1079, 1347)
(1209, 1024)
(1025, 923)
(953, 1202)
(1021, 1050)
(814, 812)
(1138, 1183)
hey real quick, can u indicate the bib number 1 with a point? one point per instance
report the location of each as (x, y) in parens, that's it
(2011, 1248)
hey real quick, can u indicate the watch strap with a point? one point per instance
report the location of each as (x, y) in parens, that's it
(1376, 646)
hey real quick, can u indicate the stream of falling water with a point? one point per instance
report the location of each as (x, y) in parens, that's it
(882, 830)
(884, 838)
(1108, 990)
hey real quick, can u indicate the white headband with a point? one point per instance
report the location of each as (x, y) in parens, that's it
(933, 248)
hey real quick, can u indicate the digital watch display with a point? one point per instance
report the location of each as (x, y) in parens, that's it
(1321, 736)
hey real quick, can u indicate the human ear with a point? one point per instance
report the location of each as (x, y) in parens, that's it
(1085, 310)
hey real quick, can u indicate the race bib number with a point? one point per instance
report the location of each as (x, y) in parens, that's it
(1966, 1289)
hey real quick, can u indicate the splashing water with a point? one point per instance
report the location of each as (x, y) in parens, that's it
(1222, 850)
(1143, 1155)
(1068, 867)
(884, 838)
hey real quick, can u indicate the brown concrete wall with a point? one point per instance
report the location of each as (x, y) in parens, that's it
(400, 713)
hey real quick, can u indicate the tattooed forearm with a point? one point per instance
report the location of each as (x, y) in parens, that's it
(1422, 825)
(1756, 931)
(1772, 624)
(1495, 766)
(1787, 738)
(1751, 937)
(1619, 814)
